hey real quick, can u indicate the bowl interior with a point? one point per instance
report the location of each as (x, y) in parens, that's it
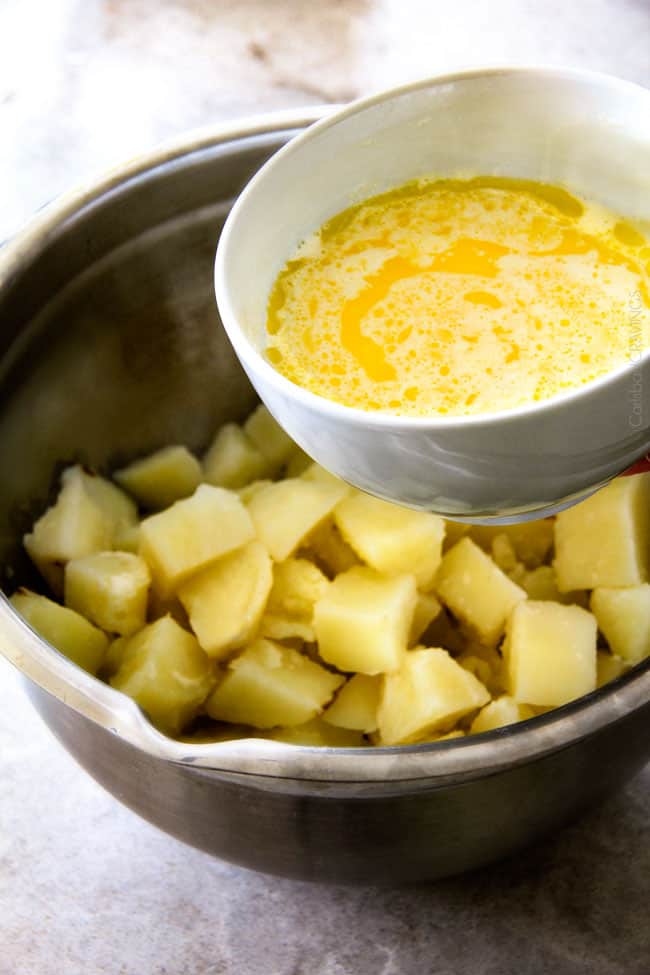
(585, 131)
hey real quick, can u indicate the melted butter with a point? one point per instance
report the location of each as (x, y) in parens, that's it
(461, 296)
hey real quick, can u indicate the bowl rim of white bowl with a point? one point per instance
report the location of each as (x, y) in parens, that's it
(249, 353)
(254, 760)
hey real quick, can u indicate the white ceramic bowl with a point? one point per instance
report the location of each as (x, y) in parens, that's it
(587, 131)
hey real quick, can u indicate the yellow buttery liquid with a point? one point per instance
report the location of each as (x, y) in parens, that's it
(459, 297)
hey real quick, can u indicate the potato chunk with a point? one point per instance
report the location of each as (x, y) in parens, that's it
(476, 590)
(550, 653)
(329, 550)
(605, 540)
(298, 584)
(193, 533)
(270, 685)
(286, 628)
(232, 460)
(225, 602)
(429, 693)
(118, 507)
(363, 621)
(269, 437)
(427, 609)
(608, 667)
(392, 539)
(531, 541)
(110, 589)
(499, 713)
(317, 733)
(284, 513)
(355, 705)
(623, 617)
(66, 630)
(164, 669)
(161, 478)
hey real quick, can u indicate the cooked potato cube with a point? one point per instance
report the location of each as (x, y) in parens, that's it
(110, 589)
(269, 437)
(363, 621)
(270, 685)
(318, 475)
(249, 491)
(233, 460)
(317, 733)
(66, 630)
(427, 608)
(193, 533)
(476, 590)
(392, 539)
(486, 665)
(74, 526)
(608, 667)
(118, 507)
(298, 584)
(429, 693)
(605, 540)
(355, 705)
(284, 513)
(164, 669)
(225, 602)
(550, 653)
(329, 550)
(285, 628)
(623, 617)
(127, 538)
(530, 540)
(499, 713)
(161, 478)
(114, 657)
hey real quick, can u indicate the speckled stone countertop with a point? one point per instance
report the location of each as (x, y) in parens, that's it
(87, 888)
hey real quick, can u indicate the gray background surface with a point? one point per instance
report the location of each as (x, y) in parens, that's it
(85, 886)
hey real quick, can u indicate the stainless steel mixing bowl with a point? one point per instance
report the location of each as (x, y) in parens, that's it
(110, 345)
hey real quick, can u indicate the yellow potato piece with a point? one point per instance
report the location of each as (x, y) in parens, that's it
(550, 653)
(427, 609)
(476, 591)
(270, 439)
(225, 602)
(298, 584)
(392, 539)
(429, 693)
(285, 628)
(110, 589)
(193, 533)
(65, 629)
(161, 478)
(608, 667)
(317, 733)
(355, 705)
(269, 685)
(363, 621)
(624, 620)
(605, 540)
(284, 513)
(232, 460)
(502, 711)
(164, 669)
(329, 550)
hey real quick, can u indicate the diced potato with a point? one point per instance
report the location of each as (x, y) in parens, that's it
(66, 630)
(363, 621)
(127, 538)
(286, 512)
(530, 540)
(623, 617)
(499, 713)
(226, 600)
(319, 475)
(233, 460)
(503, 553)
(298, 584)
(249, 491)
(608, 667)
(605, 540)
(355, 705)
(283, 628)
(164, 669)
(193, 533)
(118, 507)
(550, 653)
(298, 463)
(317, 733)
(110, 589)
(429, 693)
(392, 539)
(329, 550)
(114, 657)
(486, 665)
(476, 591)
(270, 685)
(427, 608)
(161, 478)
(269, 437)
(74, 526)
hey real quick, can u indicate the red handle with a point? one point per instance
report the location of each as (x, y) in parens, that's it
(643, 464)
